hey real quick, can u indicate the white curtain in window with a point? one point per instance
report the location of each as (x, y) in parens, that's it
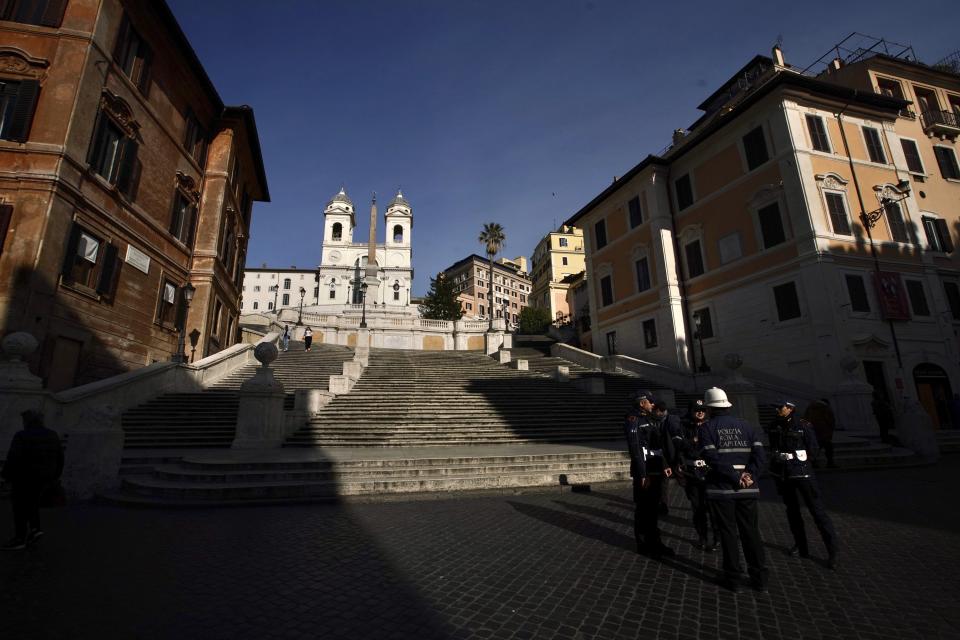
(88, 247)
(169, 292)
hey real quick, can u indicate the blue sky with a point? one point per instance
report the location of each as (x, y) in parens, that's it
(516, 112)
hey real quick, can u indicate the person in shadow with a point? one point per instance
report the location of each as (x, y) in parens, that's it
(692, 474)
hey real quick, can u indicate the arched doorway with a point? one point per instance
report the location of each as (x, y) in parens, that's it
(934, 392)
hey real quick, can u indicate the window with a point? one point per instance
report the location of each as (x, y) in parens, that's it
(333, 294)
(755, 148)
(642, 267)
(498, 289)
(167, 303)
(926, 100)
(469, 307)
(563, 260)
(649, 333)
(606, 291)
(480, 295)
(952, 291)
(133, 55)
(839, 219)
(227, 247)
(912, 154)
(684, 190)
(730, 247)
(113, 155)
(286, 283)
(874, 146)
(947, 160)
(269, 305)
(612, 342)
(938, 235)
(195, 140)
(256, 288)
(600, 231)
(90, 262)
(858, 293)
(43, 13)
(918, 299)
(788, 304)
(703, 323)
(18, 101)
(818, 133)
(182, 218)
(694, 258)
(256, 305)
(337, 231)
(771, 226)
(563, 242)
(636, 217)
(481, 310)
(898, 228)
(397, 233)
(286, 300)
(889, 88)
(217, 312)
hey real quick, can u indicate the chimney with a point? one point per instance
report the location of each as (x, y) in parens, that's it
(678, 135)
(778, 56)
(835, 65)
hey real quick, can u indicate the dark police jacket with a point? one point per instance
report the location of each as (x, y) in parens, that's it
(650, 447)
(35, 456)
(793, 447)
(731, 447)
(689, 452)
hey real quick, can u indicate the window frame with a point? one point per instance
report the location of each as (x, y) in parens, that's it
(22, 105)
(637, 259)
(758, 222)
(134, 64)
(867, 146)
(810, 134)
(686, 242)
(687, 179)
(776, 307)
(923, 167)
(183, 219)
(752, 164)
(599, 225)
(651, 322)
(927, 312)
(904, 221)
(847, 276)
(602, 301)
(842, 195)
(953, 301)
(938, 228)
(708, 308)
(633, 206)
(955, 167)
(51, 14)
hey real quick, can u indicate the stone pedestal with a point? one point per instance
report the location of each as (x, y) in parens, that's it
(260, 418)
(521, 365)
(508, 341)
(19, 389)
(503, 357)
(339, 385)
(352, 369)
(94, 450)
(309, 402)
(853, 401)
(492, 341)
(915, 431)
(740, 391)
(562, 373)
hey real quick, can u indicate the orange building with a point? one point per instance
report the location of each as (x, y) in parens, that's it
(123, 177)
(746, 234)
(505, 297)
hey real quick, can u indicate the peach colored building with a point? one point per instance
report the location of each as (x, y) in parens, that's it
(750, 227)
(508, 294)
(558, 255)
(123, 177)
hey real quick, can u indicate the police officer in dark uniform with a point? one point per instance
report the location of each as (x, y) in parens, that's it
(794, 447)
(692, 474)
(650, 455)
(673, 429)
(733, 452)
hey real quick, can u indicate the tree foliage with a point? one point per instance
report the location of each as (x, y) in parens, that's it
(441, 302)
(492, 238)
(534, 320)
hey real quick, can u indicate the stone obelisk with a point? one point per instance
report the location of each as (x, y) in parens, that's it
(370, 279)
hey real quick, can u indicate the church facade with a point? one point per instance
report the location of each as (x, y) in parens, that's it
(343, 269)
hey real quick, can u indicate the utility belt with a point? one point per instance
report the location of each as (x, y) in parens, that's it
(799, 455)
(652, 453)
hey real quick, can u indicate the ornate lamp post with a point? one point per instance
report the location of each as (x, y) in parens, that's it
(187, 292)
(363, 303)
(316, 279)
(704, 367)
(303, 292)
(276, 289)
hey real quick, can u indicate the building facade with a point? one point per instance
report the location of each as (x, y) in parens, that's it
(508, 294)
(266, 289)
(558, 255)
(123, 177)
(749, 238)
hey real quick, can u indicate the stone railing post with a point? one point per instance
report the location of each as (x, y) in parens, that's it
(260, 423)
(853, 399)
(740, 392)
(19, 389)
(492, 341)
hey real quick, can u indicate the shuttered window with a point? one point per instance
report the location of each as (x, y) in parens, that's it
(952, 291)
(818, 133)
(694, 258)
(874, 145)
(858, 293)
(918, 298)
(788, 304)
(702, 319)
(167, 304)
(182, 218)
(113, 155)
(18, 101)
(606, 291)
(642, 267)
(898, 227)
(938, 235)
(684, 190)
(636, 216)
(838, 214)
(43, 13)
(755, 148)
(947, 160)
(771, 226)
(90, 263)
(912, 154)
(195, 142)
(134, 56)
(650, 333)
(600, 233)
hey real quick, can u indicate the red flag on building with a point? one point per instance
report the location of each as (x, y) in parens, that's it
(892, 296)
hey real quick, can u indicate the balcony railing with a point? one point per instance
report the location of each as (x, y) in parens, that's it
(940, 122)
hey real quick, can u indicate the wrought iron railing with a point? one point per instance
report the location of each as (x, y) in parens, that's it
(934, 118)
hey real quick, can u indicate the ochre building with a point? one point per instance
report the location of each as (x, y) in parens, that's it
(559, 254)
(123, 177)
(504, 297)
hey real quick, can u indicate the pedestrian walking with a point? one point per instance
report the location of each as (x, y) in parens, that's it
(650, 453)
(285, 338)
(307, 338)
(733, 451)
(793, 446)
(692, 475)
(883, 412)
(820, 415)
(673, 430)
(33, 467)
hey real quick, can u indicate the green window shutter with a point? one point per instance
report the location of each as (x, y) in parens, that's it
(128, 178)
(73, 240)
(106, 285)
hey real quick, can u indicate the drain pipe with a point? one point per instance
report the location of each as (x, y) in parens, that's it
(681, 285)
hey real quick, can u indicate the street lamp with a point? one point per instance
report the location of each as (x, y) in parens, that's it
(870, 220)
(303, 292)
(276, 289)
(316, 279)
(698, 333)
(363, 303)
(187, 292)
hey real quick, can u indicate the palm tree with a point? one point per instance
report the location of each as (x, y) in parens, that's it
(492, 238)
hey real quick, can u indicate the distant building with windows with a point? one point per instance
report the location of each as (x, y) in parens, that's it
(123, 179)
(747, 232)
(508, 293)
(558, 255)
(266, 289)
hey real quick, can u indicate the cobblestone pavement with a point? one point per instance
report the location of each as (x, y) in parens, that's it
(537, 565)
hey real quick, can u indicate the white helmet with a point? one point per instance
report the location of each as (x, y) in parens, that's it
(716, 397)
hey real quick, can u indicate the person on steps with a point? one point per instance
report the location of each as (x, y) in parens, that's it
(307, 338)
(285, 338)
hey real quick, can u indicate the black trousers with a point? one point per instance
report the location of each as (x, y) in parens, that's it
(805, 489)
(646, 514)
(697, 495)
(827, 446)
(740, 516)
(307, 341)
(25, 498)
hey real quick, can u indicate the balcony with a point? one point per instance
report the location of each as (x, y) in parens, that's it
(941, 123)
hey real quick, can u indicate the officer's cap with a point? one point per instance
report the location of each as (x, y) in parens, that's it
(643, 394)
(786, 403)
